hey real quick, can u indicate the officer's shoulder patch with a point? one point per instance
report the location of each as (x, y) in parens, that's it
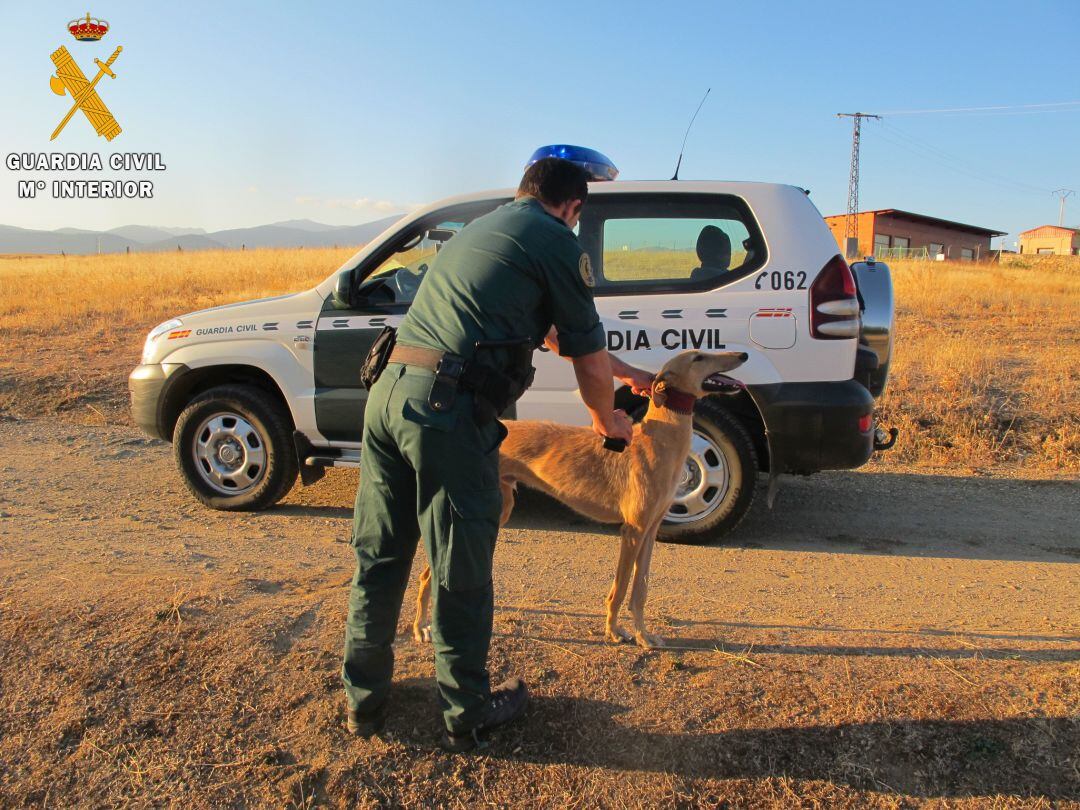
(585, 268)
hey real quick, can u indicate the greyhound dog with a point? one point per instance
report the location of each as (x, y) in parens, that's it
(634, 488)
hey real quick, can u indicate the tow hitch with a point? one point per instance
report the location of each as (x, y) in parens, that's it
(883, 439)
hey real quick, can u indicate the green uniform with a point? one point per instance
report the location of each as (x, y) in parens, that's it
(510, 274)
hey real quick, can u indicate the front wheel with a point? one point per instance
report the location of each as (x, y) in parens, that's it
(233, 445)
(717, 485)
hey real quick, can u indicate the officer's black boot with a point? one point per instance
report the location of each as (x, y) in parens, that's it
(366, 724)
(506, 704)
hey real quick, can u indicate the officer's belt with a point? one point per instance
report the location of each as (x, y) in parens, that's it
(495, 388)
(416, 356)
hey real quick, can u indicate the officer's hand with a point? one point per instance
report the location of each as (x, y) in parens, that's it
(639, 380)
(618, 426)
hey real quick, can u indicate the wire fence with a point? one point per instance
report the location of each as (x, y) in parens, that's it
(916, 253)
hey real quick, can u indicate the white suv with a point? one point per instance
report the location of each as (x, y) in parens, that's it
(251, 394)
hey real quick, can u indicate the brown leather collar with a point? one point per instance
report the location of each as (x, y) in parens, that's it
(679, 401)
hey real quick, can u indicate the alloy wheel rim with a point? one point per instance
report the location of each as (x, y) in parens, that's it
(229, 453)
(703, 484)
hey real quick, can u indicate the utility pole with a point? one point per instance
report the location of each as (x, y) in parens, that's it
(1062, 193)
(852, 246)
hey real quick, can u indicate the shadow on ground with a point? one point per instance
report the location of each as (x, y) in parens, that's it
(1021, 757)
(885, 513)
(679, 644)
(926, 758)
(971, 650)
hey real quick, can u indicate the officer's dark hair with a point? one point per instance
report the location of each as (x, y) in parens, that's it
(554, 181)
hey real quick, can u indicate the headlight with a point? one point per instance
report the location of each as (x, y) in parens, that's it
(155, 333)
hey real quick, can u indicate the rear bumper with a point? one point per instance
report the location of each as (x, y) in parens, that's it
(149, 387)
(816, 426)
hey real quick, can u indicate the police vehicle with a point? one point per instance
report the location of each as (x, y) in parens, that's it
(256, 393)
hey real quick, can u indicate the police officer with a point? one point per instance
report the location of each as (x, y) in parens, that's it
(429, 467)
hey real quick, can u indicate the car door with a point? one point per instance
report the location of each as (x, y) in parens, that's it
(342, 340)
(385, 287)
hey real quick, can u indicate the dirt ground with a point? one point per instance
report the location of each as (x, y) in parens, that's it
(882, 639)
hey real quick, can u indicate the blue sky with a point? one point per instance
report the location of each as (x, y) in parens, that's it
(343, 112)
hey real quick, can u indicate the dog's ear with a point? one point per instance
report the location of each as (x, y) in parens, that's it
(659, 391)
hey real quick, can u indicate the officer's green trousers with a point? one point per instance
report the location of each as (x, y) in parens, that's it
(432, 475)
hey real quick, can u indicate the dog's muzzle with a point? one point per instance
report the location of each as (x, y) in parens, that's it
(721, 384)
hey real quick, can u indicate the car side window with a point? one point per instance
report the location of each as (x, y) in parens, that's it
(400, 274)
(399, 269)
(669, 243)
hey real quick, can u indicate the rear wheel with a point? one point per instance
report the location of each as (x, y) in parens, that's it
(717, 485)
(233, 445)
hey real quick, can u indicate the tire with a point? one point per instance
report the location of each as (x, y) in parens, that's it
(233, 445)
(720, 481)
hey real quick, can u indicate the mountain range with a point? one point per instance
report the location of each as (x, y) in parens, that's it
(144, 238)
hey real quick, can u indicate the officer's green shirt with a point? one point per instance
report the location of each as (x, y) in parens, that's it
(509, 274)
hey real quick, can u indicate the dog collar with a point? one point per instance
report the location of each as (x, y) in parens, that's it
(679, 401)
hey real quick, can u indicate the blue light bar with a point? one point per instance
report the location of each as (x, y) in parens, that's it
(598, 166)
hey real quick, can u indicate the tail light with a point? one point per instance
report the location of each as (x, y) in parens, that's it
(834, 304)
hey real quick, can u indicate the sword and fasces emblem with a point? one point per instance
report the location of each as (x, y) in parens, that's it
(70, 77)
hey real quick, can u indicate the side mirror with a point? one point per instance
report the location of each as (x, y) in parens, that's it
(343, 290)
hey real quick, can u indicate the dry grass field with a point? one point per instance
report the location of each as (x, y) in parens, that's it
(987, 370)
(74, 326)
(985, 377)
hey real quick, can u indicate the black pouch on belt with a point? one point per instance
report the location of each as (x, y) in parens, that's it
(497, 390)
(378, 356)
(485, 407)
(444, 386)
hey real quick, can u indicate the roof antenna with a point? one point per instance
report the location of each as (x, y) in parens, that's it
(687, 135)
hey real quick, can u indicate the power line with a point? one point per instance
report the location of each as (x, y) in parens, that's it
(1052, 106)
(956, 163)
(1008, 114)
(938, 161)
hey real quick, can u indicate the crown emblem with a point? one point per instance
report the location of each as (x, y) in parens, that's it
(88, 29)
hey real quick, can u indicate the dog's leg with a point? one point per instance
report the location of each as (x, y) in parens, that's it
(421, 628)
(508, 487)
(628, 548)
(641, 592)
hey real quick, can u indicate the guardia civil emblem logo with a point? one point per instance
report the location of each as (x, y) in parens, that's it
(584, 267)
(69, 78)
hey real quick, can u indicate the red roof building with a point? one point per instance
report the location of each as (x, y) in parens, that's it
(892, 233)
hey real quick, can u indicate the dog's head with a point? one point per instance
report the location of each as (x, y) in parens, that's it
(691, 372)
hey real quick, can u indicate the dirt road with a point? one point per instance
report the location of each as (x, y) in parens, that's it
(876, 636)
